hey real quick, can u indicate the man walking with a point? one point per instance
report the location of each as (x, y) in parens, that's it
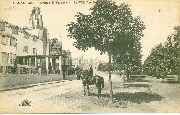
(91, 71)
(98, 85)
(78, 72)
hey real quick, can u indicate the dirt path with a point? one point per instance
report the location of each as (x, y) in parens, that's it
(67, 97)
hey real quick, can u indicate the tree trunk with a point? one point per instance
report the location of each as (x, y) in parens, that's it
(111, 91)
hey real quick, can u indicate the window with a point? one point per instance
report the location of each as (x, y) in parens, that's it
(32, 62)
(2, 26)
(15, 45)
(25, 61)
(25, 49)
(4, 57)
(26, 35)
(14, 58)
(35, 38)
(15, 30)
(11, 58)
(7, 58)
(4, 40)
(40, 35)
(34, 51)
(13, 42)
(37, 26)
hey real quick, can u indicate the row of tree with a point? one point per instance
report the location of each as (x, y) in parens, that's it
(165, 57)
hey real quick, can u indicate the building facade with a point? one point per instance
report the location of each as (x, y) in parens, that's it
(67, 67)
(29, 50)
(55, 52)
(85, 64)
(76, 62)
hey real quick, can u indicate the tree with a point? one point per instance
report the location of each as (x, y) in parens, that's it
(110, 29)
(165, 57)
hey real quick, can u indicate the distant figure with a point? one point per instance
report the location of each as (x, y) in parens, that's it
(64, 69)
(78, 72)
(91, 71)
(99, 84)
(15, 70)
(50, 68)
(85, 82)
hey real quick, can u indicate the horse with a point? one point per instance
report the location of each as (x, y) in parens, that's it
(90, 80)
(85, 81)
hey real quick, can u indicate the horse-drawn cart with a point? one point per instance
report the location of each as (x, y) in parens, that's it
(89, 79)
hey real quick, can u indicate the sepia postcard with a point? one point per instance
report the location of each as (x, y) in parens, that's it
(89, 56)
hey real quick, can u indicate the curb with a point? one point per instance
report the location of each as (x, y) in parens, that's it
(26, 86)
(30, 85)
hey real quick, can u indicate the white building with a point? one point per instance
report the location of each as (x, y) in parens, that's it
(85, 64)
(27, 48)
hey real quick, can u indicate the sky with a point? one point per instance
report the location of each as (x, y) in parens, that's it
(159, 17)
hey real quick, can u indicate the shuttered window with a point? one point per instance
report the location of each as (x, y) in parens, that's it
(4, 57)
(15, 30)
(2, 26)
(34, 51)
(4, 40)
(25, 49)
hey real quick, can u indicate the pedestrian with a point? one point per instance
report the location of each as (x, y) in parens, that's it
(91, 71)
(98, 85)
(78, 72)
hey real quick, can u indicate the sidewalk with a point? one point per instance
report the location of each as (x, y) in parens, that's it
(68, 78)
(25, 86)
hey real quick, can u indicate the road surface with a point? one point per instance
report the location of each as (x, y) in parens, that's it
(67, 97)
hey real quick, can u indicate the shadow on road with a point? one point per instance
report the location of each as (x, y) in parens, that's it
(102, 95)
(137, 85)
(137, 97)
(131, 84)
